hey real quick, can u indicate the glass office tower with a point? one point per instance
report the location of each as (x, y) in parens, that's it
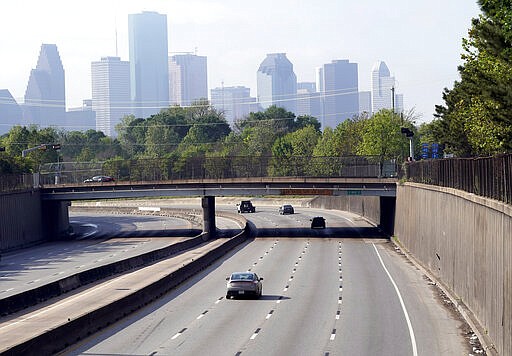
(45, 96)
(149, 72)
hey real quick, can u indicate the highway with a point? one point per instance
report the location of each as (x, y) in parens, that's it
(337, 295)
(133, 235)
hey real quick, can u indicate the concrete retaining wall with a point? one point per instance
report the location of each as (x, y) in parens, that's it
(465, 241)
(368, 207)
(20, 219)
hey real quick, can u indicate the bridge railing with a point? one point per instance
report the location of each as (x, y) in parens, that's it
(490, 177)
(220, 168)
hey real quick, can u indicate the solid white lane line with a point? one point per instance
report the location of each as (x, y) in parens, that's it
(409, 325)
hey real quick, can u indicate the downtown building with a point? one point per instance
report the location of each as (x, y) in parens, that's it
(308, 100)
(188, 79)
(149, 70)
(110, 78)
(234, 102)
(45, 96)
(339, 90)
(383, 88)
(10, 112)
(81, 118)
(277, 82)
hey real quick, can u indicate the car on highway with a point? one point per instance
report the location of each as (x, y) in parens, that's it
(286, 209)
(96, 179)
(246, 206)
(244, 284)
(318, 222)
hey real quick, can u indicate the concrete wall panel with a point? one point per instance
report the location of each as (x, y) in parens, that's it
(465, 241)
(20, 219)
(366, 206)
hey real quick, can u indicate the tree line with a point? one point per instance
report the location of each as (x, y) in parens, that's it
(179, 134)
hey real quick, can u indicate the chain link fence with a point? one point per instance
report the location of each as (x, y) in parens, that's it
(219, 168)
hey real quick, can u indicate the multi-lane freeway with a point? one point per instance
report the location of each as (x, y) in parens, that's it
(334, 292)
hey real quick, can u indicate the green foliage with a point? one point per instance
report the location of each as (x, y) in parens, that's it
(300, 143)
(477, 114)
(382, 136)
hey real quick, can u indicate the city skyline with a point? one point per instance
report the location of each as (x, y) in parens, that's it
(421, 44)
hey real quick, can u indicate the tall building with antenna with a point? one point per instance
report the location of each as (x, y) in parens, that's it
(45, 96)
(149, 72)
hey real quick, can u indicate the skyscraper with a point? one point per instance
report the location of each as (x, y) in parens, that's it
(10, 111)
(277, 83)
(81, 118)
(149, 72)
(235, 102)
(383, 85)
(188, 80)
(339, 92)
(45, 96)
(365, 102)
(308, 100)
(110, 92)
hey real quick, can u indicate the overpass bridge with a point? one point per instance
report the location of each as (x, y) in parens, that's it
(56, 198)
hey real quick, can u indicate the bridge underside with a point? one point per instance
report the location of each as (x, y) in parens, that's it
(232, 187)
(385, 188)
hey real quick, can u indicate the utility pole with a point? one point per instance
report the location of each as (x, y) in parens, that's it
(393, 98)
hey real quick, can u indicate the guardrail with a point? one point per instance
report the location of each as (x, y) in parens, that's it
(490, 177)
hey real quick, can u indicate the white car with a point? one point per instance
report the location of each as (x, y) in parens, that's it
(244, 284)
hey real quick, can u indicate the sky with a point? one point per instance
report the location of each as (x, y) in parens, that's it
(419, 40)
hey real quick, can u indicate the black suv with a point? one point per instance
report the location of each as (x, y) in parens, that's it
(318, 222)
(246, 206)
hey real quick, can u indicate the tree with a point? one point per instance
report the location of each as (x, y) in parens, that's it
(291, 154)
(477, 113)
(382, 136)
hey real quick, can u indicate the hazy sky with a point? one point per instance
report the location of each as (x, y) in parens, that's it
(420, 40)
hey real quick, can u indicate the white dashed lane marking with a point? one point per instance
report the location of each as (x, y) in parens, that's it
(178, 333)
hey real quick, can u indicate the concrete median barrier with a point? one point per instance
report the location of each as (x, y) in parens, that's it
(61, 336)
(40, 294)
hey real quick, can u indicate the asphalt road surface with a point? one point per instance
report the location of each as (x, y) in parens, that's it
(322, 295)
(99, 241)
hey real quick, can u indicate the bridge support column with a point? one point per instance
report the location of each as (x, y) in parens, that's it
(55, 218)
(387, 215)
(209, 228)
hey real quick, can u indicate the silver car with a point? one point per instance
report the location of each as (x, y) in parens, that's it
(244, 284)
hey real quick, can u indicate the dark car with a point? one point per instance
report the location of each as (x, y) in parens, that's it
(286, 209)
(246, 206)
(318, 222)
(96, 179)
(244, 284)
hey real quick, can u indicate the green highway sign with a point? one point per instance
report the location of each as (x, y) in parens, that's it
(353, 192)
